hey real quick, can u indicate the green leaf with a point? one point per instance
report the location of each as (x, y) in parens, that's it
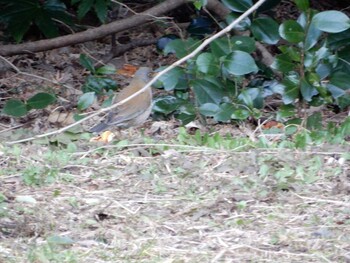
(106, 70)
(186, 118)
(291, 31)
(238, 6)
(240, 114)
(41, 100)
(221, 47)
(19, 16)
(285, 111)
(265, 29)
(101, 10)
(292, 52)
(335, 91)
(225, 112)
(243, 25)
(86, 100)
(331, 21)
(252, 97)
(312, 33)
(86, 62)
(46, 25)
(18, 30)
(171, 79)
(167, 104)
(291, 89)
(303, 5)
(209, 109)
(338, 40)
(283, 63)
(98, 84)
(207, 92)
(15, 108)
(243, 43)
(239, 63)
(84, 7)
(307, 90)
(198, 4)
(181, 47)
(302, 139)
(340, 79)
(207, 63)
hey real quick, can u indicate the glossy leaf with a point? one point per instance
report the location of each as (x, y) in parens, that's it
(101, 8)
(207, 92)
(335, 91)
(312, 33)
(84, 7)
(225, 112)
(252, 97)
(291, 89)
(239, 63)
(303, 5)
(265, 29)
(243, 43)
(283, 63)
(291, 31)
(207, 63)
(340, 79)
(166, 104)
(209, 109)
(171, 79)
(292, 52)
(98, 84)
(268, 5)
(86, 100)
(240, 114)
(339, 40)
(242, 25)
(106, 70)
(181, 47)
(307, 90)
(46, 24)
(41, 100)
(238, 5)
(331, 21)
(221, 47)
(87, 63)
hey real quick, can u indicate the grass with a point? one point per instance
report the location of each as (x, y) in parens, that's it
(194, 200)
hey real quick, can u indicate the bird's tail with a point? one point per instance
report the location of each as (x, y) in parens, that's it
(99, 127)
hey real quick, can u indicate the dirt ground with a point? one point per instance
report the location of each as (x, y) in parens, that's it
(166, 203)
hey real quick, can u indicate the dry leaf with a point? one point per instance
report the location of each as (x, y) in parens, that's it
(127, 70)
(105, 137)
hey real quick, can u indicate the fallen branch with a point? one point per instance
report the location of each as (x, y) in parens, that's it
(92, 34)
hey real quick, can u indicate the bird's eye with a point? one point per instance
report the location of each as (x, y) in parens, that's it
(150, 75)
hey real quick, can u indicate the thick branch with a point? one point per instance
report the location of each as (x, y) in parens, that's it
(92, 34)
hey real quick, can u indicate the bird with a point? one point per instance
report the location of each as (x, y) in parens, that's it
(134, 112)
